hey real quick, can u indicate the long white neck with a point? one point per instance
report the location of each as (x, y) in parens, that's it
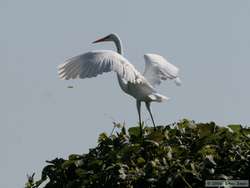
(118, 44)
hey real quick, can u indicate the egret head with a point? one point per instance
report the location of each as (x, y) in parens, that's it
(110, 37)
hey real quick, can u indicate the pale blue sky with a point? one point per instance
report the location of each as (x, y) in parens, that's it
(42, 119)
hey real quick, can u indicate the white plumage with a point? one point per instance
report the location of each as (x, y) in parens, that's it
(157, 69)
(132, 82)
(97, 62)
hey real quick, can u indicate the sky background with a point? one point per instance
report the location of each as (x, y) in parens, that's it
(42, 119)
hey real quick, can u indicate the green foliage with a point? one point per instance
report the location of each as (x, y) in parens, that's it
(184, 154)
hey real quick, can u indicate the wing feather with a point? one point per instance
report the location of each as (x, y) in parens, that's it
(94, 63)
(158, 68)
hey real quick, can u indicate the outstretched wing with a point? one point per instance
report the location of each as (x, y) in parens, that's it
(158, 68)
(94, 63)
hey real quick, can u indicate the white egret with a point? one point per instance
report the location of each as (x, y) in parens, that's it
(132, 82)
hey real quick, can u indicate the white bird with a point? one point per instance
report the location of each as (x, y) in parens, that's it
(132, 82)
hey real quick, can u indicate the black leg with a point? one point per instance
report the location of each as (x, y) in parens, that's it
(138, 105)
(148, 107)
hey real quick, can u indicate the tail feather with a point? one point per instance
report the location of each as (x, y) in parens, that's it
(158, 97)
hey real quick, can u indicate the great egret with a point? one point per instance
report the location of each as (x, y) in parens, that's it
(132, 82)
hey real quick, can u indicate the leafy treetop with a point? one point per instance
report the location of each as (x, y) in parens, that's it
(183, 154)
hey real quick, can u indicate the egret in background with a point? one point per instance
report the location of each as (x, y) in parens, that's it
(132, 82)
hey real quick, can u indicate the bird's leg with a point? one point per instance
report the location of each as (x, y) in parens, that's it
(149, 110)
(138, 105)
